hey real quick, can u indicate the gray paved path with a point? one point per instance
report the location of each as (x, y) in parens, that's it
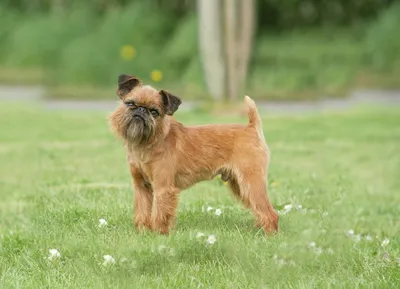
(375, 97)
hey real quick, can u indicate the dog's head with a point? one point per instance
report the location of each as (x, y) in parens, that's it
(143, 110)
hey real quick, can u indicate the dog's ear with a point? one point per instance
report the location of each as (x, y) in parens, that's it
(170, 102)
(126, 83)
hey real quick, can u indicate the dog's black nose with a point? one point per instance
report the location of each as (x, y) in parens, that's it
(141, 110)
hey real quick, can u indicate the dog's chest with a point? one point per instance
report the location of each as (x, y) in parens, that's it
(137, 158)
(142, 163)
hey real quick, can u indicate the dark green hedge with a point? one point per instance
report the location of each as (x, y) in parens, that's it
(272, 14)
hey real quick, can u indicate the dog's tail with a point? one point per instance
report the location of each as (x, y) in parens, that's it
(254, 117)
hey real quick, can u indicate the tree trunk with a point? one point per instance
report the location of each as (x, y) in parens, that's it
(58, 6)
(226, 30)
(245, 40)
(211, 46)
(230, 9)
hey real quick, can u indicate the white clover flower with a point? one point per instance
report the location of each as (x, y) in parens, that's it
(318, 251)
(350, 232)
(288, 207)
(161, 248)
(211, 240)
(292, 263)
(108, 260)
(357, 238)
(199, 235)
(218, 212)
(299, 207)
(313, 246)
(385, 242)
(53, 254)
(368, 238)
(102, 223)
(171, 252)
(209, 208)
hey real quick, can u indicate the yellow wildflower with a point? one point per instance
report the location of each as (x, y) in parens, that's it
(275, 184)
(156, 75)
(218, 177)
(128, 52)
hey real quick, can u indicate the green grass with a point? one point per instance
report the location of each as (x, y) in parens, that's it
(61, 171)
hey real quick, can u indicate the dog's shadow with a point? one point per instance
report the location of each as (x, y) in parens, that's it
(193, 251)
(209, 222)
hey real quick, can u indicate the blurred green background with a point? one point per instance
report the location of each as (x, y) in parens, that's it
(301, 50)
(62, 170)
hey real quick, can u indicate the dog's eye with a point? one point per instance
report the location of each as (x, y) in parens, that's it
(154, 112)
(130, 104)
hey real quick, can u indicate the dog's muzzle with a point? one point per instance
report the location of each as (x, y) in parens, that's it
(140, 113)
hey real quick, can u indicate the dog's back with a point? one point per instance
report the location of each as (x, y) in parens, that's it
(201, 152)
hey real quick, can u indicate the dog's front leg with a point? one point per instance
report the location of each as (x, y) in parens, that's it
(164, 207)
(143, 200)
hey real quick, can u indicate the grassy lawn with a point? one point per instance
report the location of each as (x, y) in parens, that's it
(63, 171)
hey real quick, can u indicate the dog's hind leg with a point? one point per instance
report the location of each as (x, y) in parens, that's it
(235, 189)
(252, 191)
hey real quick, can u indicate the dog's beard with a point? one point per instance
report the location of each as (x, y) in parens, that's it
(138, 131)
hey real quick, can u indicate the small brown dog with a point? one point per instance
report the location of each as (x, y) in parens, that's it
(166, 157)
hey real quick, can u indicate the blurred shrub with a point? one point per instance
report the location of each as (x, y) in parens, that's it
(383, 40)
(273, 13)
(90, 43)
(39, 39)
(8, 21)
(277, 15)
(182, 46)
(96, 58)
(299, 61)
(182, 57)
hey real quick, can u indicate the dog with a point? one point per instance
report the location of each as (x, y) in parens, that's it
(166, 157)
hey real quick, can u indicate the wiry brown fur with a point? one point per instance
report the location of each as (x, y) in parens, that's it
(166, 157)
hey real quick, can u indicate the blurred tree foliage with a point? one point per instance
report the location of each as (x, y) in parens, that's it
(290, 13)
(89, 42)
(271, 13)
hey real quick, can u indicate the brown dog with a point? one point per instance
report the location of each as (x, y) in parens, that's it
(166, 157)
